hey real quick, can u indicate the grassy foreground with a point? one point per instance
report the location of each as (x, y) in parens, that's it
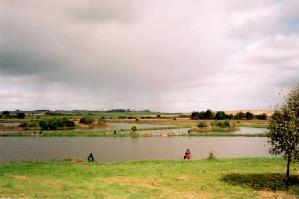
(224, 178)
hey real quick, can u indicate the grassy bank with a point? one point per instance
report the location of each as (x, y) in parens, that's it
(125, 133)
(225, 178)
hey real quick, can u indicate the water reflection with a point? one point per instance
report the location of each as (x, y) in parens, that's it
(126, 148)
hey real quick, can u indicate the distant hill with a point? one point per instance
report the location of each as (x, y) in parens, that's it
(255, 112)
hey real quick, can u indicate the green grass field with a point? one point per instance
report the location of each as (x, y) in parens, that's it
(224, 178)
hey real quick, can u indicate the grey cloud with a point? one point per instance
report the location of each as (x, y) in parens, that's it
(264, 18)
(167, 55)
(280, 51)
(105, 11)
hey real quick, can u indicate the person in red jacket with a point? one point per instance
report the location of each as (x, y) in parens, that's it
(188, 154)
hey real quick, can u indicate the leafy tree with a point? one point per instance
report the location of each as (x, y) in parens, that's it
(229, 117)
(249, 116)
(284, 129)
(21, 115)
(220, 115)
(5, 114)
(194, 115)
(262, 116)
(239, 116)
(43, 124)
(209, 114)
(53, 124)
(202, 115)
(59, 122)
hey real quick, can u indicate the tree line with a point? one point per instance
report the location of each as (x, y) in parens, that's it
(7, 114)
(221, 115)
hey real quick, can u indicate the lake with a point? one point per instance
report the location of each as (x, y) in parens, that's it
(179, 131)
(250, 130)
(9, 123)
(126, 148)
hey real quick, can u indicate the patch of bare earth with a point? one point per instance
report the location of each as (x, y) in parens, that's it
(275, 195)
(20, 177)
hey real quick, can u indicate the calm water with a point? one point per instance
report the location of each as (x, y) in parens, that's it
(126, 148)
(243, 130)
(9, 123)
(250, 130)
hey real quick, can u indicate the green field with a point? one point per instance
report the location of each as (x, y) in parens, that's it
(224, 178)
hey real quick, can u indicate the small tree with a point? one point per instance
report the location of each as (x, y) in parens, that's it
(284, 129)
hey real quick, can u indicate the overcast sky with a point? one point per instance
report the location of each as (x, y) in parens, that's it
(168, 55)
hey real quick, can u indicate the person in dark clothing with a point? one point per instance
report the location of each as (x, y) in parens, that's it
(188, 154)
(90, 158)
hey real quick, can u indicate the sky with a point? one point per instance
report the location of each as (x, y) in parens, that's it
(167, 55)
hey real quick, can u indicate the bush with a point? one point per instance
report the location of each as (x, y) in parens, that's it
(32, 124)
(221, 124)
(86, 120)
(202, 124)
(23, 124)
(55, 123)
(44, 124)
(21, 115)
(134, 128)
(68, 123)
(28, 124)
